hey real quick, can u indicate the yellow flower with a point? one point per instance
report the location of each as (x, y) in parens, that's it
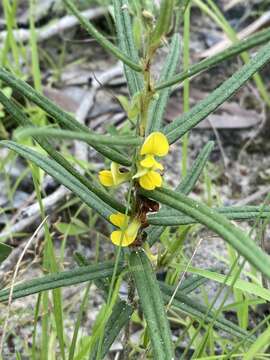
(150, 180)
(150, 162)
(156, 144)
(114, 176)
(128, 229)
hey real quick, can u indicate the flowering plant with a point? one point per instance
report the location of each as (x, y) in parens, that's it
(148, 206)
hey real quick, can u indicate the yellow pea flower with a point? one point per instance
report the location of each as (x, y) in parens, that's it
(156, 144)
(150, 180)
(114, 176)
(150, 162)
(128, 229)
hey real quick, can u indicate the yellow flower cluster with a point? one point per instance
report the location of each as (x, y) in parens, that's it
(156, 144)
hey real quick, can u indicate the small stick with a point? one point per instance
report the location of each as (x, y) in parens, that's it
(54, 28)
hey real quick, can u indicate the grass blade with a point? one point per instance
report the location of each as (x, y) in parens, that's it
(61, 279)
(217, 223)
(5, 250)
(199, 311)
(23, 121)
(189, 181)
(192, 283)
(78, 323)
(85, 23)
(158, 107)
(261, 344)
(127, 45)
(63, 176)
(184, 123)
(121, 314)
(242, 285)
(62, 117)
(152, 305)
(261, 37)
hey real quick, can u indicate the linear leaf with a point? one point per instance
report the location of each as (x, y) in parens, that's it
(261, 344)
(62, 117)
(163, 21)
(5, 250)
(259, 38)
(190, 284)
(120, 316)
(22, 120)
(152, 305)
(175, 218)
(67, 134)
(187, 121)
(215, 222)
(243, 285)
(63, 176)
(199, 311)
(158, 106)
(61, 279)
(127, 44)
(185, 186)
(86, 24)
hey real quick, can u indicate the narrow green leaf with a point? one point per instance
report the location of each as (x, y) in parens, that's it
(200, 312)
(239, 284)
(63, 176)
(71, 229)
(158, 106)
(127, 44)
(163, 22)
(175, 218)
(22, 120)
(185, 186)
(190, 284)
(62, 117)
(152, 305)
(5, 250)
(190, 180)
(78, 322)
(120, 316)
(187, 121)
(61, 279)
(86, 24)
(75, 135)
(215, 222)
(260, 345)
(259, 38)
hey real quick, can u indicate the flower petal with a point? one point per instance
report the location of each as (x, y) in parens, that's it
(156, 144)
(121, 239)
(106, 178)
(150, 162)
(151, 180)
(120, 220)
